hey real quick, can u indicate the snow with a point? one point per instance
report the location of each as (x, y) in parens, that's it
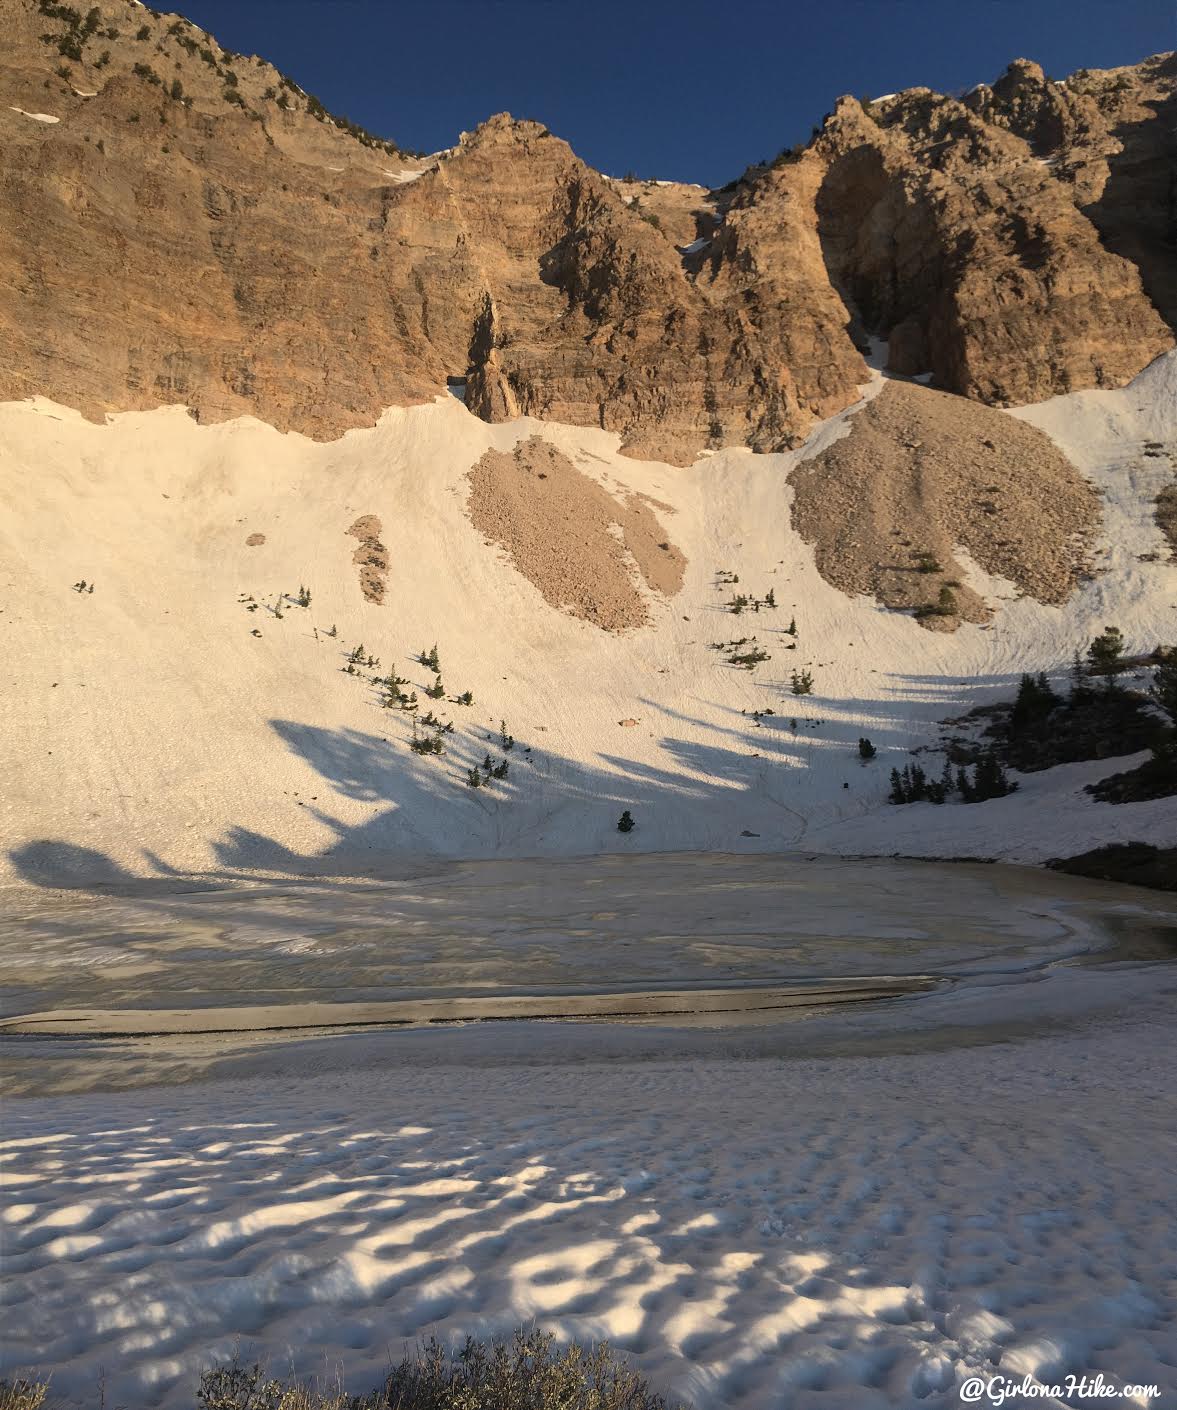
(404, 175)
(849, 1208)
(751, 1228)
(36, 117)
(695, 246)
(208, 749)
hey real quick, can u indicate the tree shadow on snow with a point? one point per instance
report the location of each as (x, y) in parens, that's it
(422, 810)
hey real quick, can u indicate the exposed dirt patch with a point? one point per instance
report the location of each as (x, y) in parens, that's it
(922, 472)
(371, 556)
(255, 540)
(586, 551)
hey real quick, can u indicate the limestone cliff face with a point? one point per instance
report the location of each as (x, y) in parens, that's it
(194, 228)
(964, 247)
(1110, 137)
(244, 256)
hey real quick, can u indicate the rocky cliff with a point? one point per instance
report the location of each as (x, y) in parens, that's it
(183, 224)
(972, 253)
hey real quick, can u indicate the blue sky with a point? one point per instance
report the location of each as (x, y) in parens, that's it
(691, 91)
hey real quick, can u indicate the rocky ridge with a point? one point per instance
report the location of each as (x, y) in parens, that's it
(195, 228)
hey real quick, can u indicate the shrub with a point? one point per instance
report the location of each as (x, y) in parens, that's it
(625, 822)
(22, 1395)
(802, 682)
(866, 750)
(748, 659)
(944, 606)
(526, 1373)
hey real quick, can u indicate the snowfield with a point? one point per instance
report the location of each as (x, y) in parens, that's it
(159, 727)
(847, 1232)
(835, 1209)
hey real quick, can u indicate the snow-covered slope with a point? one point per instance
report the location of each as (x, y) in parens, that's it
(149, 730)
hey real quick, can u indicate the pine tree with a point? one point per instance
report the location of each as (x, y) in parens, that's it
(1164, 685)
(625, 822)
(1106, 654)
(1035, 700)
(1080, 689)
(791, 629)
(1164, 692)
(897, 794)
(770, 598)
(866, 750)
(989, 779)
(473, 779)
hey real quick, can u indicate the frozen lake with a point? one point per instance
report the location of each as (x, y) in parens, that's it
(701, 940)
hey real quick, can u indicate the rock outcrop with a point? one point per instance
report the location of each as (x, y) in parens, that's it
(183, 224)
(1110, 137)
(960, 244)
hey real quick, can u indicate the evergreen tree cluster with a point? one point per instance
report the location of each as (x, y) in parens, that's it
(989, 780)
(1097, 718)
(489, 772)
(743, 602)
(1035, 700)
